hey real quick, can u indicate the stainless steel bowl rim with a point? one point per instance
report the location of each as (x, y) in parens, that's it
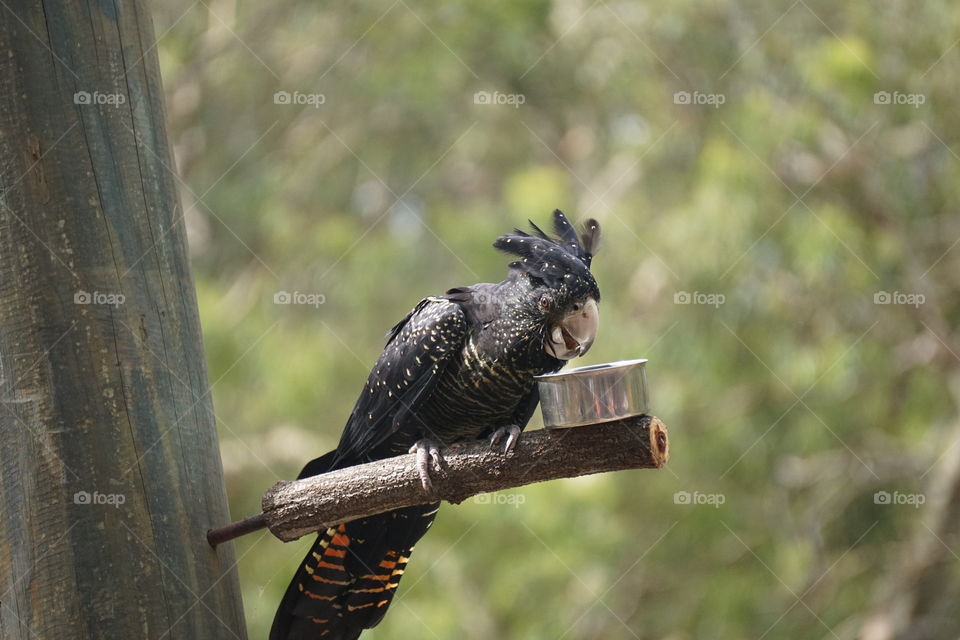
(594, 393)
(605, 367)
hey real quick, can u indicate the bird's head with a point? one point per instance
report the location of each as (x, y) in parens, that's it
(567, 297)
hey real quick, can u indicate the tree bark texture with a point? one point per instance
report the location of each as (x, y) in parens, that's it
(110, 468)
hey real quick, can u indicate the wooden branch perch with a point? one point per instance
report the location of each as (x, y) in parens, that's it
(297, 508)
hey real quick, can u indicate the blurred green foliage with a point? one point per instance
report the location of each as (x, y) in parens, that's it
(794, 202)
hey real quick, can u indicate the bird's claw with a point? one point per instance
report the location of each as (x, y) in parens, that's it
(427, 451)
(511, 433)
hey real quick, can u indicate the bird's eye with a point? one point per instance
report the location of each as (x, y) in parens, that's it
(577, 306)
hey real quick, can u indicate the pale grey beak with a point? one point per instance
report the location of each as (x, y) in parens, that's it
(575, 333)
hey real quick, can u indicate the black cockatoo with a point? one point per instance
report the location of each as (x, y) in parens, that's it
(460, 366)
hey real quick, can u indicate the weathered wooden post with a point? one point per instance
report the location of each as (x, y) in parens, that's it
(109, 467)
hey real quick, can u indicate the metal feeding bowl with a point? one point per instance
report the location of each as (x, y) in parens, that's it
(595, 393)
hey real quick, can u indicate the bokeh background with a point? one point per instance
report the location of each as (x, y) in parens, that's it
(777, 184)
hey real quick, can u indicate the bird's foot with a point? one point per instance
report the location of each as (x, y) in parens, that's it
(427, 451)
(510, 433)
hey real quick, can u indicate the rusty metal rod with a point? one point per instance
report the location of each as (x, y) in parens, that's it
(236, 529)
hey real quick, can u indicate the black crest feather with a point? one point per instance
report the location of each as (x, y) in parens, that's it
(556, 261)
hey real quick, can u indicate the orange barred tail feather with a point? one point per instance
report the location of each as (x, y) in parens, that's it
(350, 575)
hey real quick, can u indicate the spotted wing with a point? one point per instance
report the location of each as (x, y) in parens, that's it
(419, 348)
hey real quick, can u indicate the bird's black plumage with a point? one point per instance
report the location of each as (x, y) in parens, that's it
(457, 367)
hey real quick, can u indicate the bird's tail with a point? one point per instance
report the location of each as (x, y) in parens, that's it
(348, 578)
